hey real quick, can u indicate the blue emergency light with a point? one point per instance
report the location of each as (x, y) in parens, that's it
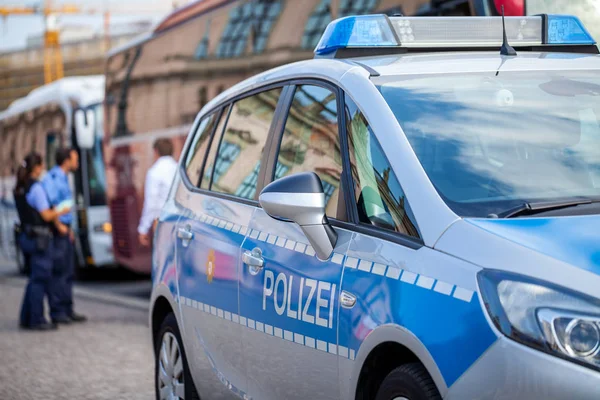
(377, 31)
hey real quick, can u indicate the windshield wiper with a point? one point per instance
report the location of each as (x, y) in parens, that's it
(531, 208)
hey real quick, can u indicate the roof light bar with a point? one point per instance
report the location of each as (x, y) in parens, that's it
(438, 32)
(567, 29)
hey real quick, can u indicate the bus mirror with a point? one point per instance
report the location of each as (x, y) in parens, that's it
(84, 128)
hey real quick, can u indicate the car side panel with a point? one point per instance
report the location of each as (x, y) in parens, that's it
(430, 296)
(164, 259)
(290, 311)
(208, 273)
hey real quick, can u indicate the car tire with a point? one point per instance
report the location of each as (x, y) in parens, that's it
(408, 382)
(169, 335)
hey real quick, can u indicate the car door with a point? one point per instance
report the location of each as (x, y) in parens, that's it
(218, 203)
(207, 272)
(290, 305)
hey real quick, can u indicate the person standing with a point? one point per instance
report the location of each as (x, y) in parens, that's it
(156, 188)
(56, 184)
(39, 222)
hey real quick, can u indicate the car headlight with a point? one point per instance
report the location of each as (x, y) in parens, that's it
(545, 316)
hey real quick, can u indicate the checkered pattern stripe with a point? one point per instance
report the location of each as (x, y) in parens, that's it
(389, 271)
(271, 330)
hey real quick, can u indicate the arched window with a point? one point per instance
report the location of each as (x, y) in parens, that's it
(258, 18)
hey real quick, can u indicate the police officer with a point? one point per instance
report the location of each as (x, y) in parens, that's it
(38, 222)
(56, 184)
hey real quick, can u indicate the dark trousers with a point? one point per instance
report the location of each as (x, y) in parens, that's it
(64, 270)
(42, 282)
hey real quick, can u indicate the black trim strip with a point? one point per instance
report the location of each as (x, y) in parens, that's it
(348, 182)
(394, 237)
(380, 51)
(274, 151)
(267, 165)
(210, 139)
(212, 173)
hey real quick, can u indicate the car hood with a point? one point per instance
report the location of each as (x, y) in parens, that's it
(574, 240)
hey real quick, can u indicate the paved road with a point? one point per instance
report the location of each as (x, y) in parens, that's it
(109, 357)
(106, 280)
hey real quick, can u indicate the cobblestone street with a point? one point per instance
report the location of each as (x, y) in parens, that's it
(109, 357)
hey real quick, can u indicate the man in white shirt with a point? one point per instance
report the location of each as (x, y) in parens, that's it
(156, 189)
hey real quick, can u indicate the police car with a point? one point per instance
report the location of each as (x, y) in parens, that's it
(413, 214)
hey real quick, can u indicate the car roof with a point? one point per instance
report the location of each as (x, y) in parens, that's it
(477, 61)
(332, 69)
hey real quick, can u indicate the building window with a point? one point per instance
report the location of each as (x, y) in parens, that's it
(254, 19)
(227, 154)
(328, 190)
(202, 48)
(248, 187)
(321, 16)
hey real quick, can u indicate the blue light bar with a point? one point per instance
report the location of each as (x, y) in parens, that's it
(372, 31)
(567, 29)
(356, 31)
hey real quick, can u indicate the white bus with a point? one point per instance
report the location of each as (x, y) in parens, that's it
(67, 112)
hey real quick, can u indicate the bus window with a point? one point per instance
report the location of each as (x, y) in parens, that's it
(52, 144)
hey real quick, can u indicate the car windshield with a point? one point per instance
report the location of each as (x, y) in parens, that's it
(491, 142)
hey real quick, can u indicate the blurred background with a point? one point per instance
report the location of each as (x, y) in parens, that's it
(109, 77)
(143, 69)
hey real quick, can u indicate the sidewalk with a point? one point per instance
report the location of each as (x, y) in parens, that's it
(109, 357)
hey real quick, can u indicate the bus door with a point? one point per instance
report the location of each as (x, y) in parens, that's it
(95, 229)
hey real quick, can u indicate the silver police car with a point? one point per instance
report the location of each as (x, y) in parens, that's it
(413, 214)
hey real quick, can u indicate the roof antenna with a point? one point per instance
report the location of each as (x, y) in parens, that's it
(506, 49)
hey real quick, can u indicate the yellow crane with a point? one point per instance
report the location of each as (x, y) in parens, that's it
(53, 64)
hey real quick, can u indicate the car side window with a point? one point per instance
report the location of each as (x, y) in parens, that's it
(311, 142)
(214, 146)
(197, 151)
(237, 162)
(380, 199)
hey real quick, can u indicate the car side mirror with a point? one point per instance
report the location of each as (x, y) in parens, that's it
(299, 198)
(84, 128)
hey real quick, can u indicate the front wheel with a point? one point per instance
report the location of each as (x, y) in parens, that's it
(172, 378)
(408, 382)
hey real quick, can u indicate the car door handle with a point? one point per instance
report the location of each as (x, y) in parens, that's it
(254, 260)
(185, 234)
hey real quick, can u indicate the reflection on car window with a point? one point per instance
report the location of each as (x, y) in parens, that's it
(310, 141)
(379, 197)
(214, 146)
(193, 162)
(489, 143)
(235, 168)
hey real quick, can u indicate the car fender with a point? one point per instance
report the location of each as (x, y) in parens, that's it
(402, 336)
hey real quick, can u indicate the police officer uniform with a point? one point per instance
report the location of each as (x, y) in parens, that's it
(56, 184)
(35, 240)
